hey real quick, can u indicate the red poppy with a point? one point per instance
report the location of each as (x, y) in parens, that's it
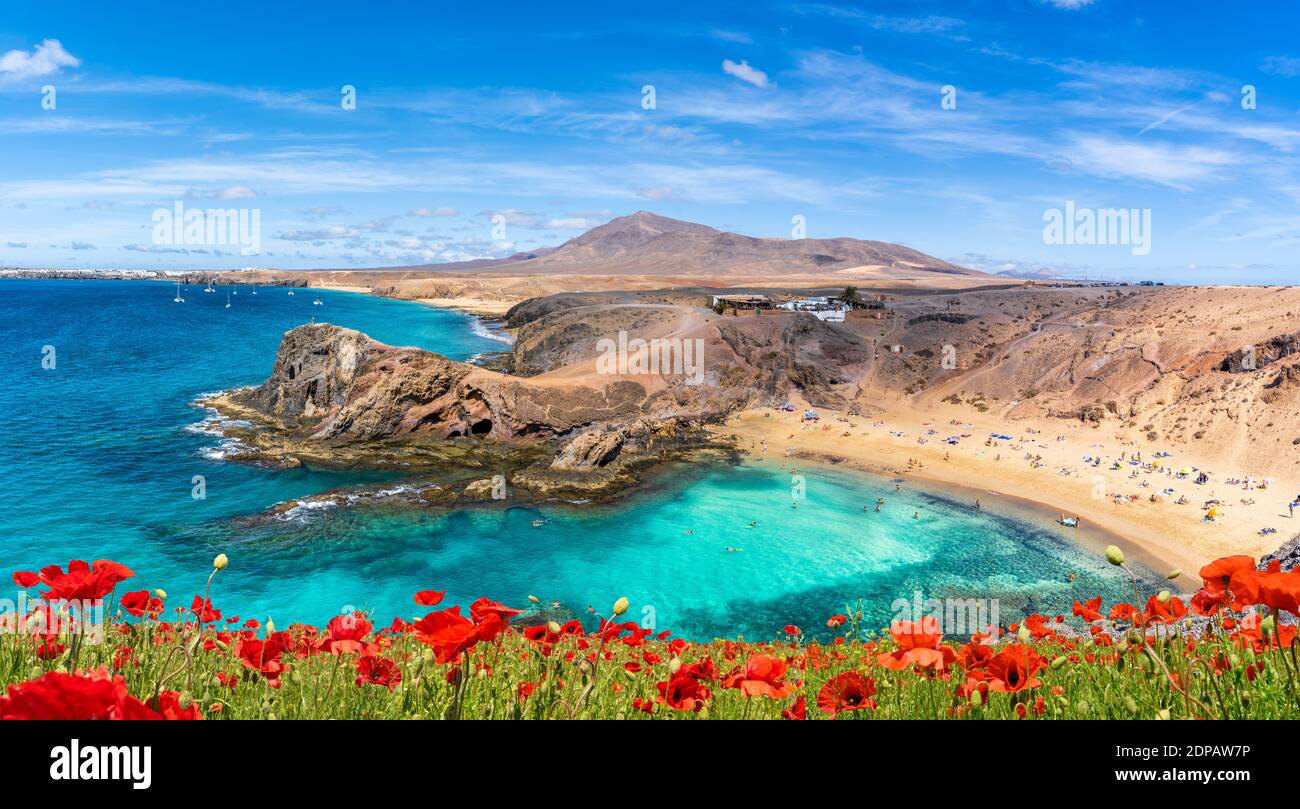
(683, 692)
(919, 643)
(203, 610)
(92, 695)
(1206, 602)
(26, 578)
(169, 705)
(347, 635)
(264, 656)
(139, 603)
(1122, 612)
(484, 610)
(1165, 613)
(836, 620)
(761, 677)
(83, 582)
(448, 633)
(1013, 668)
(849, 691)
(798, 710)
(1090, 610)
(429, 598)
(1278, 590)
(378, 671)
(1218, 574)
(791, 629)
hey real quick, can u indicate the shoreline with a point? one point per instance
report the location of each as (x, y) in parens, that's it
(1161, 536)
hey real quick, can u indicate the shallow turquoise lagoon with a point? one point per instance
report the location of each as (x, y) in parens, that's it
(99, 454)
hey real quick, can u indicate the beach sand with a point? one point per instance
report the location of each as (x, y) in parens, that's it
(1163, 535)
(483, 307)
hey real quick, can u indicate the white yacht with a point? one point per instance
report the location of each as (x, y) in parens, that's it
(178, 298)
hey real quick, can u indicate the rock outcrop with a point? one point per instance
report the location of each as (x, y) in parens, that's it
(330, 382)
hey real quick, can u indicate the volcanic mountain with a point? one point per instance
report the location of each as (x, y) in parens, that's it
(644, 244)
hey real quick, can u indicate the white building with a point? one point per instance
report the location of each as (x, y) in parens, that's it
(820, 307)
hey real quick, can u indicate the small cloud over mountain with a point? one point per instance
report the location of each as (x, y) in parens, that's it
(745, 72)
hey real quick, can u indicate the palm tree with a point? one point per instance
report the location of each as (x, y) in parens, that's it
(850, 296)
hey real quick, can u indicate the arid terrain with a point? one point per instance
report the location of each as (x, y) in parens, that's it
(1115, 389)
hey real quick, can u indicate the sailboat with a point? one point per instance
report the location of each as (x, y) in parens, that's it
(227, 300)
(178, 298)
(291, 292)
(209, 288)
(254, 289)
(318, 302)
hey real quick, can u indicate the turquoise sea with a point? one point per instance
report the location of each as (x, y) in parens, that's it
(99, 453)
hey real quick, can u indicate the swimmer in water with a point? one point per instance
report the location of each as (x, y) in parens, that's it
(916, 515)
(753, 523)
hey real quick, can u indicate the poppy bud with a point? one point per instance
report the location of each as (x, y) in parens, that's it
(534, 599)
(1131, 706)
(1163, 596)
(1114, 555)
(1023, 634)
(675, 665)
(221, 561)
(621, 606)
(1163, 713)
(160, 593)
(185, 700)
(1082, 707)
(1173, 574)
(553, 628)
(976, 698)
(270, 626)
(222, 645)
(1059, 663)
(1267, 627)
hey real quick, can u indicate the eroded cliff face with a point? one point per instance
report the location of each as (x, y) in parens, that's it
(330, 382)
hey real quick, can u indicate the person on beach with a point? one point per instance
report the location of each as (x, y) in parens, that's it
(977, 504)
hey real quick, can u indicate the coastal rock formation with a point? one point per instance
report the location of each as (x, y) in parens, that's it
(330, 382)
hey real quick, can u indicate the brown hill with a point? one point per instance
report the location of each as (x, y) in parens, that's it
(648, 244)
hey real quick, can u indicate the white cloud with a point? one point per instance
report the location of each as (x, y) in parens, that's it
(744, 72)
(426, 212)
(739, 37)
(1068, 5)
(1282, 66)
(236, 192)
(1166, 164)
(44, 59)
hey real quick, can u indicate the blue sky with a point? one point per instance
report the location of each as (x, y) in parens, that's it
(763, 111)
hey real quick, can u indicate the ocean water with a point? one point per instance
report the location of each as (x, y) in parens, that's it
(100, 451)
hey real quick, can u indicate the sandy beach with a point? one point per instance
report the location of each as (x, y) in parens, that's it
(1043, 463)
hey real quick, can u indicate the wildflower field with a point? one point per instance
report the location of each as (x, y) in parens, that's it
(1229, 653)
